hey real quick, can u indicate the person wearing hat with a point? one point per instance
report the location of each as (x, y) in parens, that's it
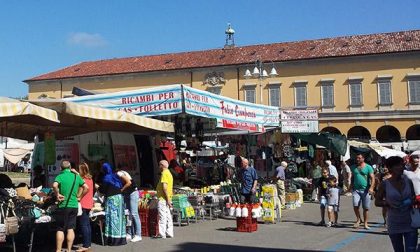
(280, 177)
(69, 188)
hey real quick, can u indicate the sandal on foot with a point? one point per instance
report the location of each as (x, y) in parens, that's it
(356, 225)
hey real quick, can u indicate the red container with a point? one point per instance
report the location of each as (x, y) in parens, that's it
(247, 224)
(149, 220)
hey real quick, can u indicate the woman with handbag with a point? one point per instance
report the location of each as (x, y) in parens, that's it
(396, 193)
(115, 233)
(86, 203)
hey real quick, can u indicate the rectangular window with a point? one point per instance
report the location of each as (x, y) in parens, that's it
(384, 89)
(327, 94)
(414, 91)
(250, 95)
(275, 96)
(356, 93)
(300, 95)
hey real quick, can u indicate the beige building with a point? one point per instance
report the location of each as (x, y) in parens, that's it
(366, 86)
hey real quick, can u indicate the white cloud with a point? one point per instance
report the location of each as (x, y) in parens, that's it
(86, 39)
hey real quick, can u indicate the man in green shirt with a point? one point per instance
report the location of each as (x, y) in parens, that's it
(362, 186)
(69, 188)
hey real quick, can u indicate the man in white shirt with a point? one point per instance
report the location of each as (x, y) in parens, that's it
(414, 175)
(332, 169)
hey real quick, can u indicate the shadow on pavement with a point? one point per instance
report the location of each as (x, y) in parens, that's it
(371, 232)
(205, 247)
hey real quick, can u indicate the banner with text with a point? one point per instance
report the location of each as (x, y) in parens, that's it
(167, 100)
(299, 121)
(148, 102)
(230, 113)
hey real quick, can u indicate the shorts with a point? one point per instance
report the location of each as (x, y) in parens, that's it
(335, 208)
(65, 219)
(323, 202)
(363, 197)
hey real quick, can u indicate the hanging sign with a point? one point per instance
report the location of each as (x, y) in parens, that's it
(299, 121)
(164, 100)
(230, 113)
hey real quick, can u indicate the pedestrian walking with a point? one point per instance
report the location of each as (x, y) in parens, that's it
(164, 193)
(396, 194)
(362, 185)
(323, 194)
(69, 187)
(333, 194)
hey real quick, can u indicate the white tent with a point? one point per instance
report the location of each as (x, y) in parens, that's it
(376, 147)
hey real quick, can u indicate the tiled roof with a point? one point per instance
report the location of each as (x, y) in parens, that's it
(403, 41)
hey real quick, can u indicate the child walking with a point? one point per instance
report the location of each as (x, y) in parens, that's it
(333, 194)
(323, 194)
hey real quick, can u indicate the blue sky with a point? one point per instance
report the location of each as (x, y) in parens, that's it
(37, 37)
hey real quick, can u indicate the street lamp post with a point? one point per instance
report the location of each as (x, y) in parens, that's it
(261, 74)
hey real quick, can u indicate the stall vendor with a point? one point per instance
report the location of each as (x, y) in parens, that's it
(248, 178)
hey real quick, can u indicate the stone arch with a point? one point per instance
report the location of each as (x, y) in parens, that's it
(413, 133)
(359, 133)
(331, 130)
(388, 134)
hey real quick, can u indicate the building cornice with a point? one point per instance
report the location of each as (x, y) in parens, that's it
(369, 115)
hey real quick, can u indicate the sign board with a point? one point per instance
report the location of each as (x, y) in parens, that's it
(167, 100)
(299, 121)
(299, 127)
(230, 113)
(299, 115)
(164, 100)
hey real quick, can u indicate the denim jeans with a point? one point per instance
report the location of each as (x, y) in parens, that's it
(132, 204)
(85, 228)
(407, 240)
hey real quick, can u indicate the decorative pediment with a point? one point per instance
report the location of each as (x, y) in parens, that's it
(214, 79)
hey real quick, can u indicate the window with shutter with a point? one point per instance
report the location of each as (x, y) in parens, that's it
(275, 96)
(327, 93)
(355, 94)
(414, 90)
(300, 95)
(384, 87)
(250, 95)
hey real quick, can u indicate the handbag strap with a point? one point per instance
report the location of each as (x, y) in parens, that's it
(71, 191)
(1, 213)
(10, 209)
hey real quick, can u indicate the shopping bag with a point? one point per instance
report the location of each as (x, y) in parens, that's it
(415, 218)
(11, 222)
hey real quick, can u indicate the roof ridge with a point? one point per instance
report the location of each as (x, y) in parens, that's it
(400, 41)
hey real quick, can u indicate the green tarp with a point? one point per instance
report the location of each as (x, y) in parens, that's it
(334, 142)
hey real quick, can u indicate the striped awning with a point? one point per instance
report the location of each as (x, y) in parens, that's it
(24, 120)
(89, 118)
(19, 111)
